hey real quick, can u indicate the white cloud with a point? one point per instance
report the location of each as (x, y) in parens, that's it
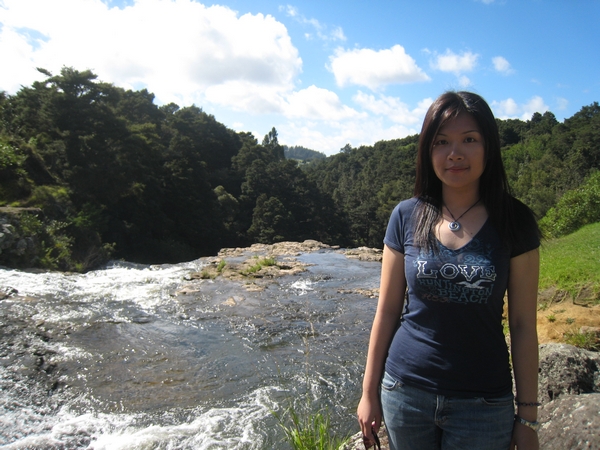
(562, 103)
(178, 49)
(356, 132)
(510, 109)
(321, 31)
(502, 65)
(505, 109)
(317, 103)
(464, 81)
(290, 10)
(244, 96)
(387, 118)
(536, 104)
(393, 108)
(455, 63)
(375, 69)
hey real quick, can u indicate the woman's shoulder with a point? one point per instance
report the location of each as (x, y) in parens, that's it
(518, 206)
(403, 212)
(527, 234)
(406, 207)
(522, 213)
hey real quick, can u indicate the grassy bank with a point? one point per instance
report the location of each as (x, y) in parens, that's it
(569, 299)
(570, 265)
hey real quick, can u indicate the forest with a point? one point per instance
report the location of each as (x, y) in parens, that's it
(107, 174)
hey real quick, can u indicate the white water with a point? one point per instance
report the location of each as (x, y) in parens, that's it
(143, 367)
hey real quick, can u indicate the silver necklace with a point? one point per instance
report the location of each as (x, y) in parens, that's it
(455, 225)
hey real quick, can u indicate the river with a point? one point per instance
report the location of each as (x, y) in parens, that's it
(143, 357)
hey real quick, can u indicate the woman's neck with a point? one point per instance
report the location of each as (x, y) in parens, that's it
(459, 199)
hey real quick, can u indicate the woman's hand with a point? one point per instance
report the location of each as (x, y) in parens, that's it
(369, 416)
(524, 438)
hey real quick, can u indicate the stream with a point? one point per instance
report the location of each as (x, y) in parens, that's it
(145, 357)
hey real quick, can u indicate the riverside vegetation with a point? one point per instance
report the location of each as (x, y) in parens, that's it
(106, 173)
(90, 171)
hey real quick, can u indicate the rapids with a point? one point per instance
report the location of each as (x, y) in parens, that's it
(143, 357)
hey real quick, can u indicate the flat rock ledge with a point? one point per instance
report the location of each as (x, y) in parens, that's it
(297, 248)
(569, 389)
(256, 266)
(277, 249)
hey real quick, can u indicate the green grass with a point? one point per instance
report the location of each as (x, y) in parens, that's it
(309, 431)
(588, 341)
(265, 262)
(571, 263)
(306, 424)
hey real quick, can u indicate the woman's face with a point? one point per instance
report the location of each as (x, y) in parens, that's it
(458, 153)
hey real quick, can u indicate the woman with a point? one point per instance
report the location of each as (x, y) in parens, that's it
(438, 370)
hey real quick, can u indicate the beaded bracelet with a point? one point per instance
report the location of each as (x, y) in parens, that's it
(518, 403)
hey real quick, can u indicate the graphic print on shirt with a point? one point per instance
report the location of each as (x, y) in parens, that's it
(457, 277)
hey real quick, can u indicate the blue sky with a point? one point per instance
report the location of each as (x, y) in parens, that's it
(324, 73)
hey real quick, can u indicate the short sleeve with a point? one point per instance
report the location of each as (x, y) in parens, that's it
(397, 229)
(528, 230)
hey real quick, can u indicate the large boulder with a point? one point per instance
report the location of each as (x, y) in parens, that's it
(571, 422)
(569, 389)
(565, 369)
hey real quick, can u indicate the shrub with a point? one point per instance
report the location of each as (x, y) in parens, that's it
(575, 209)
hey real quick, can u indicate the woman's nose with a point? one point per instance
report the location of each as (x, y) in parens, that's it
(455, 152)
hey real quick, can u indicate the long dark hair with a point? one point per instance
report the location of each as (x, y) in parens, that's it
(494, 191)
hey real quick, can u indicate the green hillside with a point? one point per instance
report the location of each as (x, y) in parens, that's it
(572, 264)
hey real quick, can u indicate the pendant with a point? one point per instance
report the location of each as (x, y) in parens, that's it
(454, 226)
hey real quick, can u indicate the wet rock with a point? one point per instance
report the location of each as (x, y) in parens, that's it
(227, 264)
(187, 290)
(26, 354)
(370, 293)
(255, 272)
(233, 300)
(6, 292)
(364, 254)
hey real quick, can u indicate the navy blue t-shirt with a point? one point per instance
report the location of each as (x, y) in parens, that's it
(451, 339)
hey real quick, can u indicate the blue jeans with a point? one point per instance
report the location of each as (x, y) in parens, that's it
(419, 420)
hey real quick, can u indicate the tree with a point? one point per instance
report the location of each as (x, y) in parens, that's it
(271, 221)
(271, 143)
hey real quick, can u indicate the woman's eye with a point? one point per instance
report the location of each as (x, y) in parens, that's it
(440, 142)
(470, 139)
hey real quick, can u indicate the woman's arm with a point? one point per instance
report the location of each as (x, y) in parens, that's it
(389, 308)
(522, 312)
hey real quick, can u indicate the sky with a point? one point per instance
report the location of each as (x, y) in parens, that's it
(324, 73)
